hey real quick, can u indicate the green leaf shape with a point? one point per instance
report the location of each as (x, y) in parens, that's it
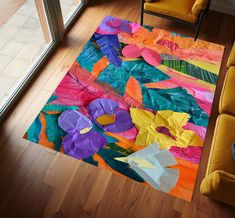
(112, 146)
(117, 148)
(110, 139)
(57, 107)
(53, 131)
(139, 69)
(90, 160)
(34, 130)
(175, 99)
(108, 155)
(148, 27)
(52, 98)
(89, 56)
(192, 70)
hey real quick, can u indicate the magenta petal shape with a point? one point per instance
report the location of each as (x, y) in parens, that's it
(131, 51)
(152, 57)
(190, 153)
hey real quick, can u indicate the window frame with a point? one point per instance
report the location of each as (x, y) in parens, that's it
(57, 29)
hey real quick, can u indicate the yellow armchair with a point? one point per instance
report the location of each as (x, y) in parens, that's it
(190, 12)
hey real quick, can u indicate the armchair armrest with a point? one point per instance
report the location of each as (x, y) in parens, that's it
(219, 185)
(198, 6)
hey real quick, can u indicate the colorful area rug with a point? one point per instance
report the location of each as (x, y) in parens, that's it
(136, 102)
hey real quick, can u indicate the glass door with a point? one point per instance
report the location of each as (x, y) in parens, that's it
(29, 31)
(70, 9)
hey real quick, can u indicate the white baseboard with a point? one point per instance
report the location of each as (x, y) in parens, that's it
(223, 7)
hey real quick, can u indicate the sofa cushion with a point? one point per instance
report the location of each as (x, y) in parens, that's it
(227, 98)
(221, 157)
(219, 185)
(179, 9)
(198, 6)
(231, 59)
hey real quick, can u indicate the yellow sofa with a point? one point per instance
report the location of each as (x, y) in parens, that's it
(231, 59)
(227, 99)
(219, 182)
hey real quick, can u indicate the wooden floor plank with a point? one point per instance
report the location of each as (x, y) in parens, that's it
(59, 175)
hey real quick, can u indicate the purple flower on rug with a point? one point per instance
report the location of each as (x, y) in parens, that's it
(107, 114)
(190, 153)
(81, 141)
(113, 25)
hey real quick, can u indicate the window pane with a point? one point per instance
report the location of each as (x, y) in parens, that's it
(24, 37)
(68, 7)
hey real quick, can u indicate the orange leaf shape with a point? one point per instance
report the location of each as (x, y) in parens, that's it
(43, 140)
(133, 89)
(99, 66)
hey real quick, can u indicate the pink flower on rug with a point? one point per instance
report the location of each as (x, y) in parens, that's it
(150, 56)
(199, 130)
(191, 153)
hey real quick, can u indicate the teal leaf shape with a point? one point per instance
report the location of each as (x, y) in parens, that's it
(108, 155)
(57, 107)
(139, 69)
(89, 56)
(53, 131)
(176, 99)
(110, 139)
(34, 130)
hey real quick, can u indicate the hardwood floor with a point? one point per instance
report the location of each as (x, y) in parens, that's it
(37, 182)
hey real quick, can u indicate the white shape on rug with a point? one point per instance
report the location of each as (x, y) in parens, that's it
(152, 164)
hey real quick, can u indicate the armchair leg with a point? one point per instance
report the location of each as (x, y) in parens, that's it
(141, 18)
(142, 13)
(199, 25)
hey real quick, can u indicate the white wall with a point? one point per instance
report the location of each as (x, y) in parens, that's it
(224, 6)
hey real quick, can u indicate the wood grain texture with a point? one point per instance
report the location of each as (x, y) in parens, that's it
(38, 182)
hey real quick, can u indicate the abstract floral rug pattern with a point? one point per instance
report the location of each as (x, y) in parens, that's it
(136, 102)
